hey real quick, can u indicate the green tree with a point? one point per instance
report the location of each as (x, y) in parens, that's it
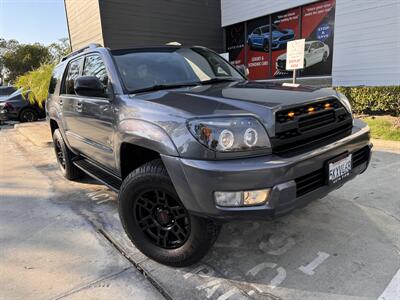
(37, 82)
(24, 58)
(59, 49)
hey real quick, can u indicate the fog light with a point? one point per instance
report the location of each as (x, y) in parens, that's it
(242, 198)
(255, 197)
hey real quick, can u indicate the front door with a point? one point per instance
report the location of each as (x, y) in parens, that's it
(96, 116)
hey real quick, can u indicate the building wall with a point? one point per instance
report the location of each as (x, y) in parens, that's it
(366, 47)
(84, 22)
(235, 11)
(367, 43)
(128, 23)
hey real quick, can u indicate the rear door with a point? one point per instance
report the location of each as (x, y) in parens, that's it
(95, 118)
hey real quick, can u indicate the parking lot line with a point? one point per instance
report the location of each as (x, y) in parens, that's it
(392, 291)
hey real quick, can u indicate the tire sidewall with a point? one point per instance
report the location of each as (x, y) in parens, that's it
(133, 187)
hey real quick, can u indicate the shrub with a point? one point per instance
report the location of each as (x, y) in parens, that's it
(373, 100)
(37, 82)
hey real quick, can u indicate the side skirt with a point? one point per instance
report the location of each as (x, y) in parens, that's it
(111, 180)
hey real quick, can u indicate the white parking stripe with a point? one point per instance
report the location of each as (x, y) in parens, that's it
(309, 269)
(392, 291)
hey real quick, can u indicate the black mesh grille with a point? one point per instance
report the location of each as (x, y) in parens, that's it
(309, 126)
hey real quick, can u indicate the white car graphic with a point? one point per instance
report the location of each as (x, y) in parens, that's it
(314, 53)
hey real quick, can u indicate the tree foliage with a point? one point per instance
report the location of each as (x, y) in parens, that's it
(24, 58)
(37, 82)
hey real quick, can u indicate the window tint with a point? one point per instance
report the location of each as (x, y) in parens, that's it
(257, 31)
(94, 66)
(55, 77)
(72, 74)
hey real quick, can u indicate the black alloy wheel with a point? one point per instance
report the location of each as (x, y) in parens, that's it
(162, 218)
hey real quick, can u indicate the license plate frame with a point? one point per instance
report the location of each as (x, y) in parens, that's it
(339, 168)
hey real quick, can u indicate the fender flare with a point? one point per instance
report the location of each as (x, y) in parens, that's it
(144, 134)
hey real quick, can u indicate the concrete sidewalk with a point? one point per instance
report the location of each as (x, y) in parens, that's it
(47, 251)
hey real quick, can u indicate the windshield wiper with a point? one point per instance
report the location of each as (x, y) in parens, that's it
(217, 80)
(157, 87)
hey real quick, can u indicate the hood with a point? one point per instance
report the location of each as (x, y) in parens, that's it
(246, 97)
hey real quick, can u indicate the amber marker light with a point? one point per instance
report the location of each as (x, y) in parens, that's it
(290, 114)
(327, 105)
(311, 109)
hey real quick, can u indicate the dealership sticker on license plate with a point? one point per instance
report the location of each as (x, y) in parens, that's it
(339, 169)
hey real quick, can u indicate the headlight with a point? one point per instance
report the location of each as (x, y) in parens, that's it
(345, 102)
(230, 134)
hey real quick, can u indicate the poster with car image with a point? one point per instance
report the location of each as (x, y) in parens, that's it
(235, 39)
(317, 27)
(285, 28)
(258, 34)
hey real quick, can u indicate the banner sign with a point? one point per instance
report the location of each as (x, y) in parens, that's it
(295, 55)
(263, 47)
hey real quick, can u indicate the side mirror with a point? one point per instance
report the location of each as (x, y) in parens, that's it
(89, 86)
(243, 70)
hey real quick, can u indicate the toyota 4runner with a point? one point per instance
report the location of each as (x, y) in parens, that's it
(187, 142)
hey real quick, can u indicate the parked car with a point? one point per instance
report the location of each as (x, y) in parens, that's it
(187, 142)
(258, 39)
(17, 107)
(6, 91)
(314, 52)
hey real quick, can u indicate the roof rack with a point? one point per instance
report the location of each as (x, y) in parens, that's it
(90, 46)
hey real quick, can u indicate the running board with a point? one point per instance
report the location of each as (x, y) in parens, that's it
(105, 177)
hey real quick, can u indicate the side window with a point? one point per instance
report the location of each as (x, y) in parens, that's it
(94, 66)
(72, 74)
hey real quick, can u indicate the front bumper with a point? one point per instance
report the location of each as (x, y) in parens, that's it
(196, 180)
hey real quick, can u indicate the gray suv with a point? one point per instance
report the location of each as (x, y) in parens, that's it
(187, 142)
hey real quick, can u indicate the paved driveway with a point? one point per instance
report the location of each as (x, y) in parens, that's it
(344, 246)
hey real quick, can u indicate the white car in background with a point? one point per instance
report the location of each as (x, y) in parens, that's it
(314, 53)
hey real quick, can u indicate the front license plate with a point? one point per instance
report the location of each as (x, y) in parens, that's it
(339, 169)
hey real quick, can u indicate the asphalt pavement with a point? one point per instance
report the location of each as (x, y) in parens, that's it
(62, 239)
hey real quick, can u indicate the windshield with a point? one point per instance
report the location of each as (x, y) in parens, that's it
(142, 69)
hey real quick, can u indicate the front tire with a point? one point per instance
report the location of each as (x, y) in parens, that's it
(157, 222)
(64, 157)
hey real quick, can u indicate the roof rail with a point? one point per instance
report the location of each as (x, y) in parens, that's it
(90, 46)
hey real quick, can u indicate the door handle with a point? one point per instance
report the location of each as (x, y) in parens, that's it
(60, 102)
(79, 107)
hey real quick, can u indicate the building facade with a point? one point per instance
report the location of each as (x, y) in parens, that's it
(348, 43)
(130, 23)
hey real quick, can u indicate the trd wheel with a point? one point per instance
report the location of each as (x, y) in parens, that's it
(157, 222)
(28, 115)
(64, 157)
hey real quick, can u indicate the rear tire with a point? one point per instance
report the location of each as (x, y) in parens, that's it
(64, 157)
(28, 115)
(156, 221)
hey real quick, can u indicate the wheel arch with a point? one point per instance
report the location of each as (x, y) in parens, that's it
(140, 142)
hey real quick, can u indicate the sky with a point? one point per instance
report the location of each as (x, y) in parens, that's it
(30, 21)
